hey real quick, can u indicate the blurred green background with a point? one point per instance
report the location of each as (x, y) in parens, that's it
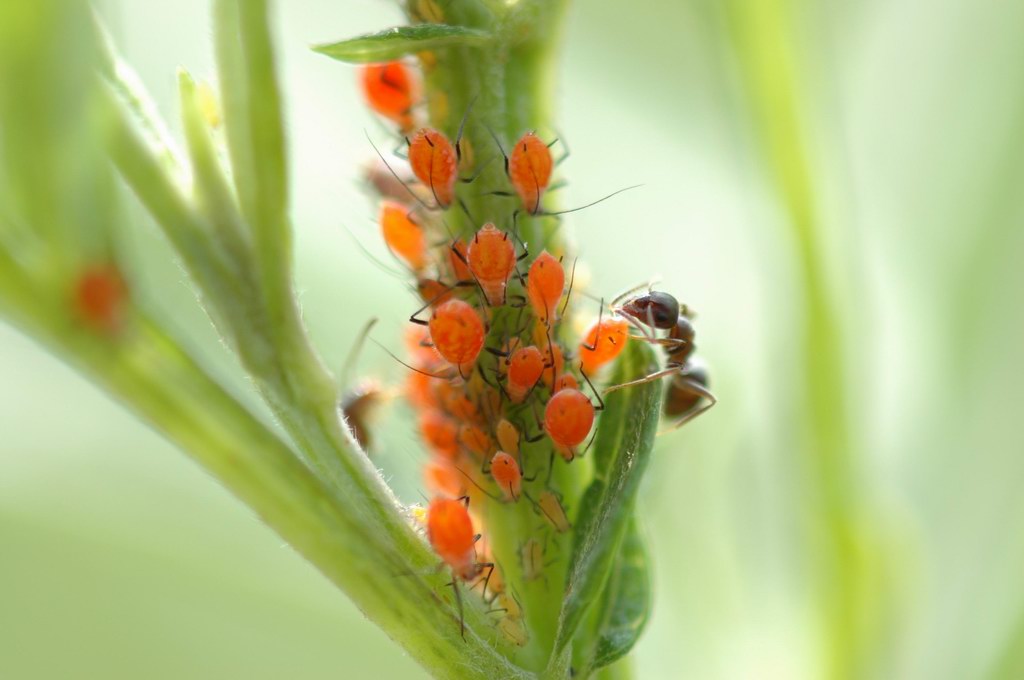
(120, 558)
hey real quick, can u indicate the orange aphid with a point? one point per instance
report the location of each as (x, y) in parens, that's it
(492, 257)
(552, 509)
(440, 433)
(457, 258)
(419, 390)
(603, 342)
(456, 402)
(441, 477)
(525, 367)
(457, 333)
(402, 236)
(544, 286)
(529, 169)
(554, 361)
(99, 297)
(568, 418)
(417, 342)
(434, 161)
(392, 90)
(433, 292)
(566, 381)
(507, 474)
(475, 440)
(450, 531)
(508, 436)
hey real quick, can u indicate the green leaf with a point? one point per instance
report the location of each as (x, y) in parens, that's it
(395, 43)
(625, 437)
(626, 606)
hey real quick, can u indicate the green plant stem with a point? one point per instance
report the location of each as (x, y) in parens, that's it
(510, 83)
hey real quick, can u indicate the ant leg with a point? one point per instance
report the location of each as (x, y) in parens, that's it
(704, 392)
(640, 381)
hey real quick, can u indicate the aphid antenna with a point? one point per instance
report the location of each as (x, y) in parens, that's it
(572, 280)
(400, 181)
(384, 267)
(600, 406)
(411, 368)
(544, 213)
(353, 354)
(484, 491)
(458, 600)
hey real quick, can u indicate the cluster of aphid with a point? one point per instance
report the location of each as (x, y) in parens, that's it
(499, 398)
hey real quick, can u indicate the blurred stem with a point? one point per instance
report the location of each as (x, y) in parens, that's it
(620, 670)
(764, 35)
(151, 374)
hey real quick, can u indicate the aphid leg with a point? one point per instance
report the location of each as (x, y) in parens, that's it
(600, 401)
(458, 601)
(704, 392)
(566, 151)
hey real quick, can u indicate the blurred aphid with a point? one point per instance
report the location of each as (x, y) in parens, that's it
(440, 433)
(442, 478)
(552, 509)
(475, 440)
(358, 405)
(402, 235)
(514, 630)
(392, 90)
(508, 437)
(100, 298)
(450, 531)
(459, 263)
(531, 558)
(507, 475)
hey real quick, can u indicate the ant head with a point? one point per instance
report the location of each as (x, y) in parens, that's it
(654, 308)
